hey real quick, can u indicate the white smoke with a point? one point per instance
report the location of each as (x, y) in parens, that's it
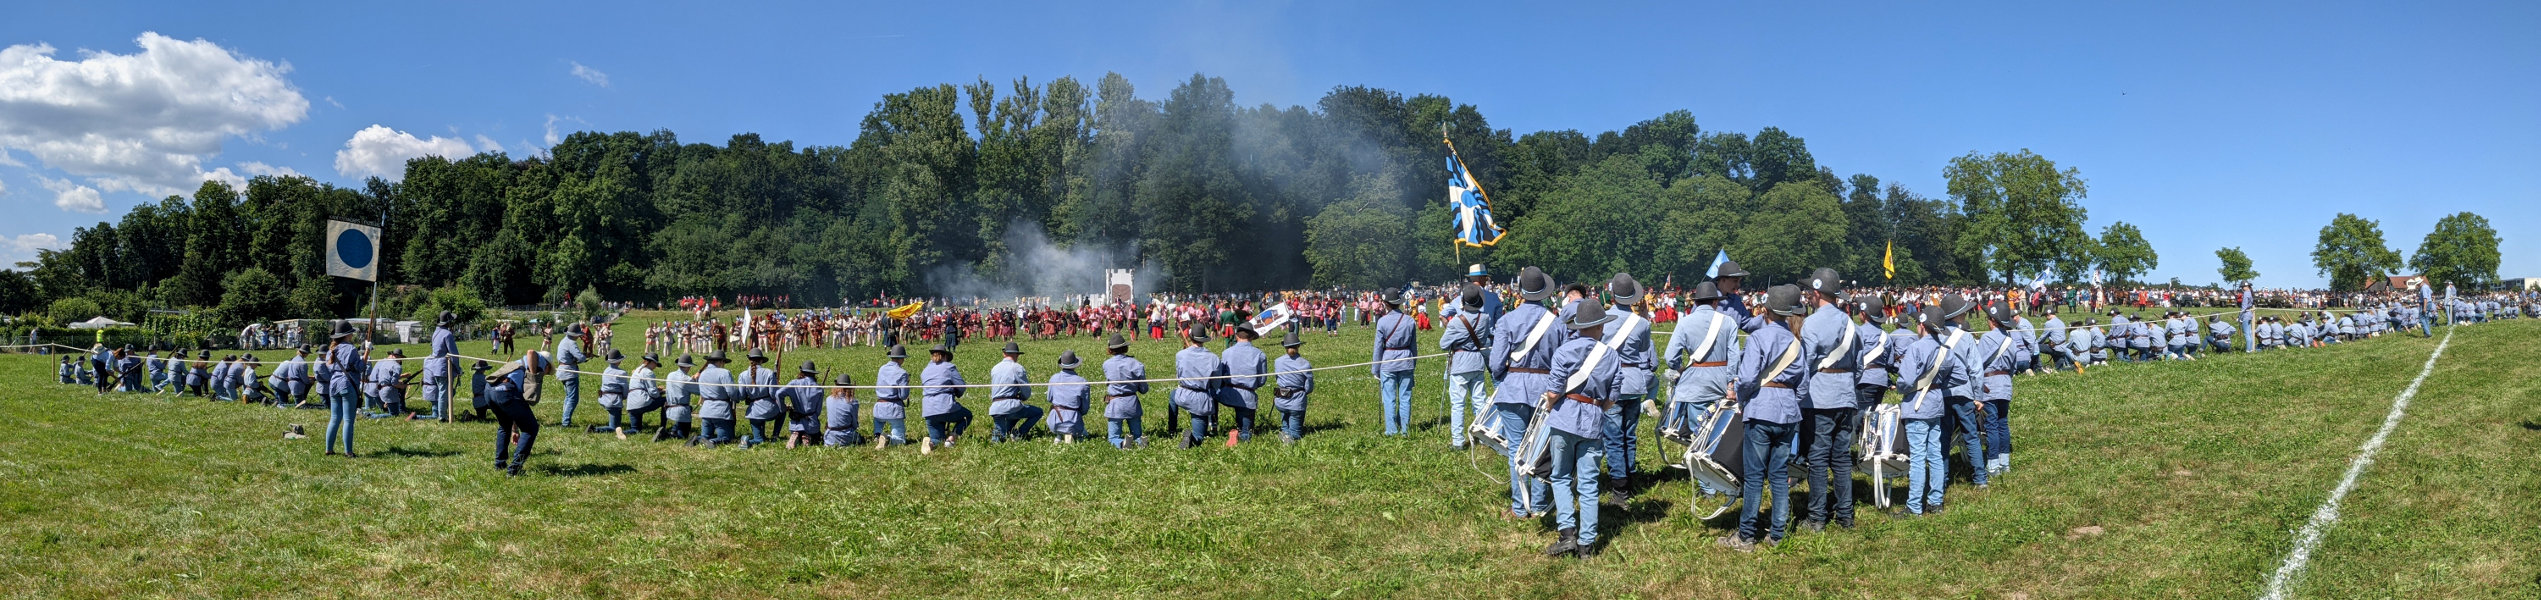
(1037, 268)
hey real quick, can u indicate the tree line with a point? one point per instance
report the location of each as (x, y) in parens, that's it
(941, 180)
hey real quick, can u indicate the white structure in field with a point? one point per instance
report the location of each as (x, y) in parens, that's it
(1116, 285)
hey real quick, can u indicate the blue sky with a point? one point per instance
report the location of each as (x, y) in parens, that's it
(2246, 125)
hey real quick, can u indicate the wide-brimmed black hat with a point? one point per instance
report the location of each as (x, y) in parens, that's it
(1783, 299)
(1871, 307)
(1247, 332)
(574, 330)
(1589, 313)
(947, 351)
(1291, 341)
(1198, 335)
(758, 355)
(397, 352)
(897, 351)
(1954, 306)
(615, 355)
(1932, 319)
(2000, 314)
(446, 318)
(1706, 291)
(1625, 289)
(1011, 348)
(1068, 359)
(686, 361)
(1729, 268)
(1116, 342)
(481, 365)
(718, 356)
(651, 358)
(1470, 297)
(808, 368)
(844, 379)
(343, 330)
(1533, 284)
(1397, 301)
(1825, 281)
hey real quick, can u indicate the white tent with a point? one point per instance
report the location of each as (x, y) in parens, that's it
(100, 322)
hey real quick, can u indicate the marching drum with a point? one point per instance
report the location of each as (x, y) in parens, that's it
(1535, 453)
(1882, 449)
(1719, 441)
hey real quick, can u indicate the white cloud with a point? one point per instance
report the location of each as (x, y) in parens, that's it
(144, 121)
(486, 144)
(257, 168)
(379, 151)
(590, 74)
(74, 197)
(23, 247)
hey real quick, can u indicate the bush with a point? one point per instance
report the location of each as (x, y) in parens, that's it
(459, 301)
(75, 309)
(251, 294)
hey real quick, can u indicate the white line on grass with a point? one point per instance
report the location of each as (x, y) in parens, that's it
(2327, 514)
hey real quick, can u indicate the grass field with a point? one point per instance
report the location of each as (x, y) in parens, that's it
(2195, 474)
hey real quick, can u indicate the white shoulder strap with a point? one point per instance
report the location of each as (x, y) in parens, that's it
(1999, 351)
(1532, 336)
(1875, 352)
(1710, 333)
(1843, 346)
(1623, 329)
(1789, 354)
(1923, 385)
(1587, 367)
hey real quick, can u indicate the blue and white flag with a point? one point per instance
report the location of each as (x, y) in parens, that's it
(1474, 226)
(1717, 259)
(352, 251)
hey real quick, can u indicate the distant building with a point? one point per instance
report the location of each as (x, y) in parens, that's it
(2405, 282)
(2522, 283)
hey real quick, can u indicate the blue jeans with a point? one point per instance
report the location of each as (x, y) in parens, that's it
(1200, 426)
(1830, 462)
(1998, 435)
(1394, 389)
(340, 413)
(1465, 391)
(759, 430)
(1017, 423)
(718, 430)
(573, 395)
(1927, 473)
(2426, 325)
(1575, 484)
(1136, 429)
(1622, 436)
(1292, 423)
(1512, 420)
(897, 430)
(436, 390)
(947, 425)
(1684, 415)
(1965, 418)
(1767, 464)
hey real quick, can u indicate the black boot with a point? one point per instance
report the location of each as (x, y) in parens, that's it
(1568, 545)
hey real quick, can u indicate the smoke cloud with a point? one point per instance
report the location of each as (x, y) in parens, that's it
(1036, 267)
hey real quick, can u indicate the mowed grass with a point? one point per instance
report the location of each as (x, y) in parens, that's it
(2196, 474)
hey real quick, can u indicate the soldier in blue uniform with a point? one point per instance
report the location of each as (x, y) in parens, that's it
(1926, 370)
(1196, 390)
(441, 366)
(1629, 339)
(1466, 336)
(516, 430)
(1876, 360)
(1296, 382)
(1245, 366)
(1010, 407)
(679, 401)
(801, 401)
(946, 418)
(757, 386)
(715, 396)
(2058, 345)
(1966, 411)
(2221, 335)
(2002, 355)
(891, 400)
(1830, 409)
(1771, 371)
(839, 410)
(1587, 375)
(1522, 365)
(612, 392)
(1481, 279)
(387, 380)
(569, 359)
(643, 394)
(1732, 303)
(1394, 338)
(1121, 410)
(348, 364)
(1069, 399)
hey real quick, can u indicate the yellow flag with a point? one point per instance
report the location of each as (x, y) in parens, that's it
(903, 311)
(1891, 261)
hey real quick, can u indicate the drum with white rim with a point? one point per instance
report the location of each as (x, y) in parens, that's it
(1882, 449)
(1720, 441)
(1535, 451)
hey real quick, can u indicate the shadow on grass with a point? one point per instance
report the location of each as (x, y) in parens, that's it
(2532, 425)
(586, 469)
(404, 452)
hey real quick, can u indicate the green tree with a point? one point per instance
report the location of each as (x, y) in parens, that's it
(1796, 228)
(1360, 243)
(2236, 266)
(2022, 214)
(2352, 254)
(2462, 250)
(73, 310)
(251, 294)
(2123, 252)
